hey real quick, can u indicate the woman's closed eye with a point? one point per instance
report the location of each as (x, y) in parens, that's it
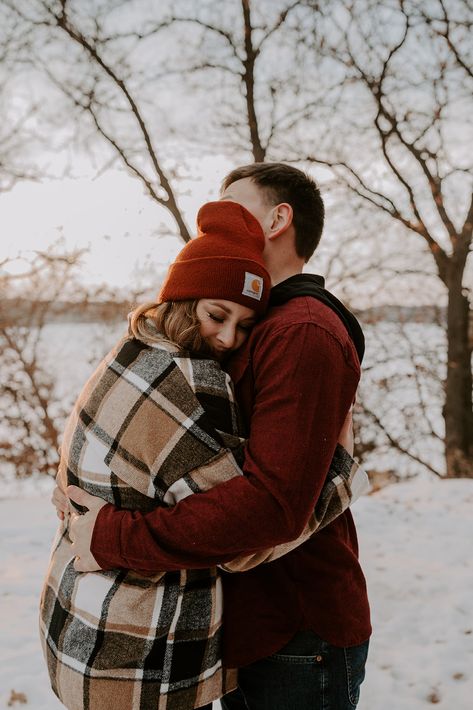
(245, 326)
(217, 319)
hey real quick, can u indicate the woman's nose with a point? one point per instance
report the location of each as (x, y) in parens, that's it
(227, 336)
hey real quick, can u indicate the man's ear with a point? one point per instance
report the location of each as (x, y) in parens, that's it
(281, 220)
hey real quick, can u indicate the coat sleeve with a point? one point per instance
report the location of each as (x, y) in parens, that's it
(304, 386)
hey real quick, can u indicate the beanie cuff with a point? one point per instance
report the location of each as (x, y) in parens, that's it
(242, 281)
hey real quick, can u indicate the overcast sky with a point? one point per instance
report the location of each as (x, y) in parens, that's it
(109, 215)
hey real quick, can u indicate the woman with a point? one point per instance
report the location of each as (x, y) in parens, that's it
(156, 422)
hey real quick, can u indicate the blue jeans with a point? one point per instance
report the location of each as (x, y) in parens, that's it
(306, 674)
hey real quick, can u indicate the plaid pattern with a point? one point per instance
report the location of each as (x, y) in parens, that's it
(151, 426)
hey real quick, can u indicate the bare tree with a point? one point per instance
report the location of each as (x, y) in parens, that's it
(238, 46)
(33, 411)
(105, 74)
(406, 67)
(399, 409)
(100, 88)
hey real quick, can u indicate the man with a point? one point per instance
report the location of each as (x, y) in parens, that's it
(297, 628)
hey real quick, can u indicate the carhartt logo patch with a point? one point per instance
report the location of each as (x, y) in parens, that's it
(253, 286)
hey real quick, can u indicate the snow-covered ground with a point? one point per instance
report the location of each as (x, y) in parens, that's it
(415, 541)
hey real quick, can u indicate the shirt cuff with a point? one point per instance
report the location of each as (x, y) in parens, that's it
(105, 543)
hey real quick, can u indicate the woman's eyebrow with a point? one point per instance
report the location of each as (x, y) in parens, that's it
(218, 305)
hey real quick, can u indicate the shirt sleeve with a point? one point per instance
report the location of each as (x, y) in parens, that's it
(345, 483)
(304, 385)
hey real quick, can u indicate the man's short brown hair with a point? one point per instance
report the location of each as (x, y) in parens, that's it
(284, 183)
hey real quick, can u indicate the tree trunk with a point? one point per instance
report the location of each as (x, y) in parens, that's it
(249, 81)
(458, 409)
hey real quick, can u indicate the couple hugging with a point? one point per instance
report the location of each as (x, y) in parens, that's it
(237, 385)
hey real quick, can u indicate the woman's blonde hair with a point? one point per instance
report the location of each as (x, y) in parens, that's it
(174, 320)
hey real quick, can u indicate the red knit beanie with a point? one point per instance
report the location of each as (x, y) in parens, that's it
(224, 261)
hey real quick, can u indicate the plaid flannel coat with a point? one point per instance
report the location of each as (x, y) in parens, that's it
(151, 426)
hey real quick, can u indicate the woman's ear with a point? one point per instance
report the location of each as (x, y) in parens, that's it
(281, 220)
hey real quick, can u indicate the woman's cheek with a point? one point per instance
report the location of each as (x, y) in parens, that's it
(241, 337)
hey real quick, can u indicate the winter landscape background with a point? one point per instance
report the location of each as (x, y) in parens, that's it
(118, 119)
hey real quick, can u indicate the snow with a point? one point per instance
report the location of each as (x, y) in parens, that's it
(26, 532)
(415, 542)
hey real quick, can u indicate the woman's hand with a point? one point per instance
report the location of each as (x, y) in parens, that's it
(60, 502)
(81, 528)
(346, 438)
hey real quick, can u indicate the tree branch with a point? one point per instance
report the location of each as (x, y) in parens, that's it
(170, 203)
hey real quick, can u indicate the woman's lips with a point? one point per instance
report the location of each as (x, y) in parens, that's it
(220, 352)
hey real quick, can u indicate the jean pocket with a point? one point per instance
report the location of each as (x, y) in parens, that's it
(355, 662)
(305, 648)
(297, 660)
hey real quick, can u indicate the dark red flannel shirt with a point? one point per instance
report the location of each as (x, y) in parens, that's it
(295, 379)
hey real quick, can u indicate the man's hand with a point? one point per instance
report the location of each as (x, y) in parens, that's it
(81, 528)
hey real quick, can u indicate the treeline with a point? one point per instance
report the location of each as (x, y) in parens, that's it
(17, 311)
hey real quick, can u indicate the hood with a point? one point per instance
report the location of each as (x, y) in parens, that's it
(314, 285)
